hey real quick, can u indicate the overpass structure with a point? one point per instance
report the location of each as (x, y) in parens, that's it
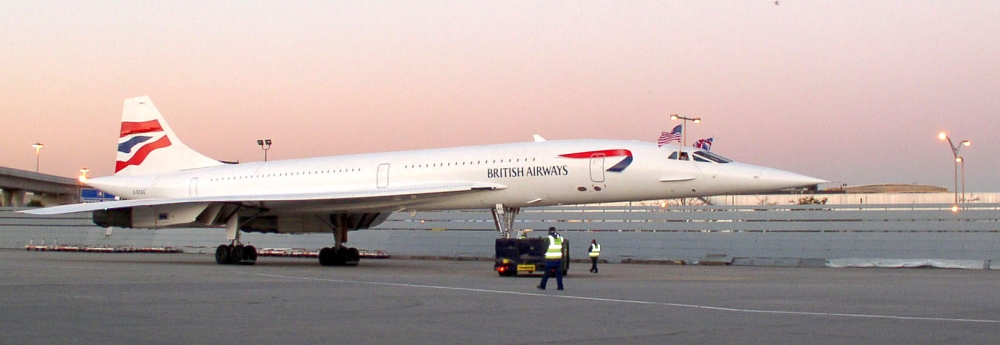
(48, 190)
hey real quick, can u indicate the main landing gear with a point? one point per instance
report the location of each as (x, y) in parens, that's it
(235, 252)
(339, 255)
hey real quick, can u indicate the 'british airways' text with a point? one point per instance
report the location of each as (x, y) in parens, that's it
(553, 170)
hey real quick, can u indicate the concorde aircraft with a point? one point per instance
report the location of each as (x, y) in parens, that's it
(164, 183)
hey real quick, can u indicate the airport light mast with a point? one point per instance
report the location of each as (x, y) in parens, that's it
(83, 174)
(38, 150)
(265, 144)
(684, 132)
(684, 141)
(954, 152)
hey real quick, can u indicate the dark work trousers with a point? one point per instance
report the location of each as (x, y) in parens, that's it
(550, 266)
(593, 265)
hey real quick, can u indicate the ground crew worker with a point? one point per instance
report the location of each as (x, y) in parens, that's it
(594, 252)
(553, 259)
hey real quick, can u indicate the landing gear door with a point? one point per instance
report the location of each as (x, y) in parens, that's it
(383, 175)
(597, 167)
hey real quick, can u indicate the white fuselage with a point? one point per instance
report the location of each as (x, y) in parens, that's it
(532, 174)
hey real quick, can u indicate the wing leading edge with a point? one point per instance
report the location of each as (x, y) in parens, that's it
(381, 196)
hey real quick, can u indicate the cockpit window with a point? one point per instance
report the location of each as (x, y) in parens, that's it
(700, 156)
(708, 156)
(684, 156)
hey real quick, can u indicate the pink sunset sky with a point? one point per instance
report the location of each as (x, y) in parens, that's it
(852, 92)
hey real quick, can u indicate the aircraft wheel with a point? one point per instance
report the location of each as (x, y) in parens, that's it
(222, 254)
(326, 256)
(352, 256)
(339, 257)
(249, 255)
(236, 255)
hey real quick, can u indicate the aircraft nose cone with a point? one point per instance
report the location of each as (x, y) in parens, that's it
(780, 179)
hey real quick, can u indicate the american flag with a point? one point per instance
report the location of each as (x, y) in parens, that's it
(704, 144)
(666, 137)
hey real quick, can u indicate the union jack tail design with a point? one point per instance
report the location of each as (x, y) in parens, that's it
(146, 144)
(147, 136)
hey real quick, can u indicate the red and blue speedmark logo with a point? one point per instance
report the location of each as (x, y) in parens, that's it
(624, 163)
(136, 141)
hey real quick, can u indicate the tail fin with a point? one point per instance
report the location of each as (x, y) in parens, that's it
(147, 144)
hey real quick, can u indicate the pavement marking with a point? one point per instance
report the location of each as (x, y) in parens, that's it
(627, 301)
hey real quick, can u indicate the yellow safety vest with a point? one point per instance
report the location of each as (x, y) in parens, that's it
(555, 248)
(595, 250)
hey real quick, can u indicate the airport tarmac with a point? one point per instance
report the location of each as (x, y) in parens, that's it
(88, 298)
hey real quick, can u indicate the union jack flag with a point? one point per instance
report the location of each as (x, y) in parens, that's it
(666, 137)
(704, 144)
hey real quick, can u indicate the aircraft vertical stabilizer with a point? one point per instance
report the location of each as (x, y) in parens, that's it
(146, 144)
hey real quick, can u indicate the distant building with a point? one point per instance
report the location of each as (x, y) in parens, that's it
(887, 188)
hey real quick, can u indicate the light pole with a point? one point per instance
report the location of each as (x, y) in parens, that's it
(83, 174)
(954, 153)
(265, 144)
(38, 149)
(962, 160)
(684, 142)
(684, 132)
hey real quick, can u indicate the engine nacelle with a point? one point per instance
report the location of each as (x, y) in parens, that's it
(120, 217)
(285, 224)
(151, 217)
(306, 223)
(262, 224)
(202, 215)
